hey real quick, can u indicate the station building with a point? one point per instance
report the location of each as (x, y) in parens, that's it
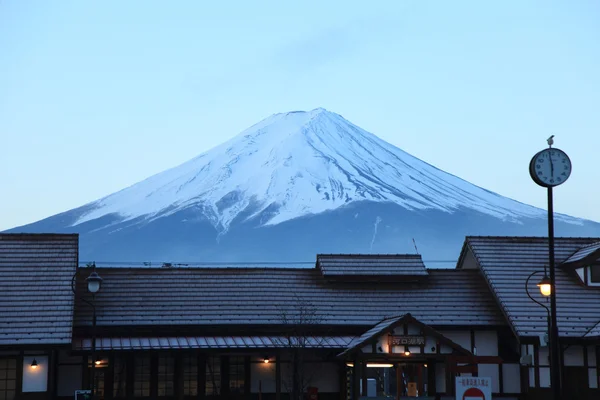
(350, 327)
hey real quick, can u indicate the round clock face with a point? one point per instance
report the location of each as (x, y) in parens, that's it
(550, 167)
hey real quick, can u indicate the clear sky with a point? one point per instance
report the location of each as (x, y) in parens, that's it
(98, 95)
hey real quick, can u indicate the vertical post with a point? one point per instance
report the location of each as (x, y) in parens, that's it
(554, 338)
(93, 383)
(278, 376)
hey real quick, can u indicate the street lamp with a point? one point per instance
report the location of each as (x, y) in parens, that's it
(548, 168)
(545, 290)
(94, 282)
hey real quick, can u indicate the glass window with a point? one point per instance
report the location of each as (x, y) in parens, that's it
(8, 378)
(237, 374)
(595, 274)
(166, 374)
(190, 375)
(120, 378)
(99, 378)
(213, 376)
(141, 378)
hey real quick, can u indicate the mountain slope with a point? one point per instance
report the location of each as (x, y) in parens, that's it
(291, 169)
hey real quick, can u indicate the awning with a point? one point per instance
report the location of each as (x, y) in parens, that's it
(212, 342)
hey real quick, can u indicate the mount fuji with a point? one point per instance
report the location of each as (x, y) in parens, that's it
(293, 185)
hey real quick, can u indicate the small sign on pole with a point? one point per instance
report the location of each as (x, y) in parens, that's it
(83, 395)
(473, 388)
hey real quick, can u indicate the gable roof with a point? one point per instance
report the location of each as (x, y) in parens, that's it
(506, 262)
(584, 255)
(371, 266)
(388, 324)
(203, 297)
(36, 301)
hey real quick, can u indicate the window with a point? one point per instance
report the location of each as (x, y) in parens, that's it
(213, 376)
(8, 378)
(99, 378)
(166, 373)
(236, 374)
(120, 378)
(141, 378)
(595, 274)
(190, 375)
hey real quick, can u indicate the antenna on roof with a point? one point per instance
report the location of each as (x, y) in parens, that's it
(415, 244)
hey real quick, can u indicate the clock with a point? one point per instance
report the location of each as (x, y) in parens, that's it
(550, 167)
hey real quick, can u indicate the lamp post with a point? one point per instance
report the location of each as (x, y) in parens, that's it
(545, 287)
(94, 282)
(548, 168)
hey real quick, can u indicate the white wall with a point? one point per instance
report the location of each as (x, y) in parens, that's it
(486, 343)
(511, 373)
(593, 380)
(490, 371)
(265, 373)
(544, 377)
(462, 338)
(35, 379)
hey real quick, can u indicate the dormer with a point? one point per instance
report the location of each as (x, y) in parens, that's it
(586, 262)
(371, 267)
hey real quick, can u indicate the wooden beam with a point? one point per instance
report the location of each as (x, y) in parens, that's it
(278, 376)
(363, 375)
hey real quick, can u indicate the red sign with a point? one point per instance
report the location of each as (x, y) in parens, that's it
(473, 388)
(473, 394)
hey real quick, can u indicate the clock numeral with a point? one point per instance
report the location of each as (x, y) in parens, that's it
(551, 180)
(566, 167)
(559, 179)
(564, 174)
(541, 160)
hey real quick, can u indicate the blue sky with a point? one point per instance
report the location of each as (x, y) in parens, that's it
(95, 96)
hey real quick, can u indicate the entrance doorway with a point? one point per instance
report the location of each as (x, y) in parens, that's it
(405, 380)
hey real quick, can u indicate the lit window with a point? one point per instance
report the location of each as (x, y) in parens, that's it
(8, 378)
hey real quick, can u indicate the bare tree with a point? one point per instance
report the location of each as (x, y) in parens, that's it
(299, 322)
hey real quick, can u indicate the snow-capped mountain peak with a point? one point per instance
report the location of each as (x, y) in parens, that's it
(294, 164)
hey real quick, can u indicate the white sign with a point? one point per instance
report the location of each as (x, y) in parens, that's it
(473, 388)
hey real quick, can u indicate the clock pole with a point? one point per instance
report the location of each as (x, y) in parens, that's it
(555, 372)
(548, 168)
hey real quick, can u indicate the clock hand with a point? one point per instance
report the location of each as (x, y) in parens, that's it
(551, 164)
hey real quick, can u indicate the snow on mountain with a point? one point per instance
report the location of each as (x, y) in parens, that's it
(300, 163)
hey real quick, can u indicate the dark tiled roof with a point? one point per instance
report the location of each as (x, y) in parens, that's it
(594, 332)
(36, 301)
(371, 265)
(209, 342)
(376, 330)
(237, 296)
(506, 262)
(586, 253)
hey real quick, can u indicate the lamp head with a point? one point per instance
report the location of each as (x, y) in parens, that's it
(94, 281)
(34, 364)
(545, 286)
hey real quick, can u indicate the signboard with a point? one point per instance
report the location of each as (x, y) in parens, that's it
(473, 388)
(411, 389)
(83, 395)
(407, 340)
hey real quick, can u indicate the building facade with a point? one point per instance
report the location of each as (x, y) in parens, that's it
(352, 326)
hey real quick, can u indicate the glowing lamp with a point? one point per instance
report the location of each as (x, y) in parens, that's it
(545, 286)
